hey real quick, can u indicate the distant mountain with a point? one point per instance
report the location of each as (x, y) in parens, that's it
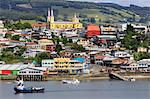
(37, 9)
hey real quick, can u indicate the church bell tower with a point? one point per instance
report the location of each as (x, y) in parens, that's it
(50, 17)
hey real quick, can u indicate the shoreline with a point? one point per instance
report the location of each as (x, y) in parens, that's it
(82, 78)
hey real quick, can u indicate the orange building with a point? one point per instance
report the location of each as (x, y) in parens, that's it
(93, 30)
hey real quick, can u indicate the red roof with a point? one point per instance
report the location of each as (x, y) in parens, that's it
(100, 57)
(23, 47)
(24, 34)
(93, 27)
(39, 25)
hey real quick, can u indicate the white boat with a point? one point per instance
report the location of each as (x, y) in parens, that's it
(74, 81)
(131, 79)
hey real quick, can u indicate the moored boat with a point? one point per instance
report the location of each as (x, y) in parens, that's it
(29, 90)
(19, 88)
(74, 81)
(131, 79)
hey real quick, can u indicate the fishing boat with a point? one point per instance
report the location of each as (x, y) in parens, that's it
(19, 88)
(29, 90)
(74, 81)
(131, 79)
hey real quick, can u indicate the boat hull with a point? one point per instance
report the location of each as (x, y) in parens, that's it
(70, 81)
(29, 90)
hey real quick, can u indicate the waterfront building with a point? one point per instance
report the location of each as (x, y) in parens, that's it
(62, 65)
(66, 65)
(33, 73)
(12, 69)
(5, 70)
(130, 66)
(82, 62)
(49, 63)
(74, 24)
(76, 67)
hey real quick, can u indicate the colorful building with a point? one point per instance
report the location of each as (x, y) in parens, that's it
(47, 45)
(50, 48)
(74, 24)
(48, 63)
(62, 65)
(37, 26)
(93, 30)
(44, 42)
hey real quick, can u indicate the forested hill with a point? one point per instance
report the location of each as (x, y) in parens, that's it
(36, 9)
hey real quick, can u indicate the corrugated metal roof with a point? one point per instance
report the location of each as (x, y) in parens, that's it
(79, 59)
(13, 66)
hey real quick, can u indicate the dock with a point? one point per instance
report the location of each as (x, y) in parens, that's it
(114, 75)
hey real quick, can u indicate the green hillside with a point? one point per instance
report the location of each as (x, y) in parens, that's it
(37, 10)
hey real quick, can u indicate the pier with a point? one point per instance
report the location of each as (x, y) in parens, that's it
(33, 77)
(114, 75)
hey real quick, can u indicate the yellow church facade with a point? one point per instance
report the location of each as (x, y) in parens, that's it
(74, 24)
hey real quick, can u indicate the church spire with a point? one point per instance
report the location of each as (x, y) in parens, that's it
(75, 15)
(52, 13)
(49, 13)
(75, 19)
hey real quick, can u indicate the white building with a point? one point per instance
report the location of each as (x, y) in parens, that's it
(139, 28)
(108, 30)
(80, 54)
(33, 71)
(122, 54)
(48, 63)
(32, 52)
(136, 66)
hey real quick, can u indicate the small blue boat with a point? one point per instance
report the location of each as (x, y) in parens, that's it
(29, 90)
(19, 88)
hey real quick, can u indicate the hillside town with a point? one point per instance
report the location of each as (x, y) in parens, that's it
(58, 48)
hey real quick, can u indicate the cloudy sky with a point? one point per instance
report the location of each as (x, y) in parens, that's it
(123, 2)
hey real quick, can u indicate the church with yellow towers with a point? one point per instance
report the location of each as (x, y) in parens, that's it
(74, 24)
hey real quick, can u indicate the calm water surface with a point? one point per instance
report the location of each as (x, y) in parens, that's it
(85, 90)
